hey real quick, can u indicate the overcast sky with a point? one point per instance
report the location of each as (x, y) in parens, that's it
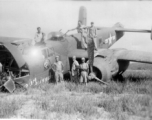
(20, 18)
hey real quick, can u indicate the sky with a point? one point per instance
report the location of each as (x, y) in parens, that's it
(20, 18)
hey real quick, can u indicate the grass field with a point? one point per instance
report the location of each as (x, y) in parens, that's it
(128, 100)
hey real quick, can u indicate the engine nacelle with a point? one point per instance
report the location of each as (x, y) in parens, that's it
(101, 69)
(123, 65)
(108, 67)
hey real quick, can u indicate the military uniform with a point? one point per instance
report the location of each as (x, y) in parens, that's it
(92, 35)
(84, 72)
(58, 69)
(75, 71)
(81, 30)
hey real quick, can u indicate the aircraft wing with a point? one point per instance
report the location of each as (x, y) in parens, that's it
(132, 30)
(13, 39)
(135, 56)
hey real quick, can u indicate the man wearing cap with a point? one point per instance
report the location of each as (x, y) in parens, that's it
(74, 69)
(58, 69)
(84, 68)
(92, 34)
(39, 37)
(83, 30)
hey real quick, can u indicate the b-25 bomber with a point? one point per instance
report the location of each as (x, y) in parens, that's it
(31, 66)
(108, 63)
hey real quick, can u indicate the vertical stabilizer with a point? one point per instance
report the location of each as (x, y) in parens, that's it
(83, 15)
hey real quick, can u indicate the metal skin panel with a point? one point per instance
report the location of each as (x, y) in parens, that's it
(16, 54)
(106, 37)
(9, 85)
(23, 80)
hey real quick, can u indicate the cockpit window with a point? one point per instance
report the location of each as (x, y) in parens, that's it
(50, 52)
(57, 38)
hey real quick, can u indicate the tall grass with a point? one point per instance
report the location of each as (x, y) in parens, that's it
(118, 100)
(8, 108)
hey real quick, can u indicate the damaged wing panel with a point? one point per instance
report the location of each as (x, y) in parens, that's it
(15, 53)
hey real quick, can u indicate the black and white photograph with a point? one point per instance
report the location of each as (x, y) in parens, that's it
(76, 59)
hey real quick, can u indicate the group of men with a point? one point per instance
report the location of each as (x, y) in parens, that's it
(88, 41)
(79, 72)
(87, 32)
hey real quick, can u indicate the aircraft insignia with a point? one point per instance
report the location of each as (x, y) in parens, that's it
(109, 40)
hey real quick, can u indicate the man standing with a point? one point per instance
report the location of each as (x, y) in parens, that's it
(91, 45)
(83, 31)
(39, 37)
(84, 68)
(75, 70)
(92, 34)
(58, 69)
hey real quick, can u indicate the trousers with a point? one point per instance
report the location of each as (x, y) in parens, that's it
(83, 77)
(58, 76)
(83, 41)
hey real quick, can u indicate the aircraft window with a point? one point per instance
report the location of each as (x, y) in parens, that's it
(50, 52)
(57, 38)
(44, 52)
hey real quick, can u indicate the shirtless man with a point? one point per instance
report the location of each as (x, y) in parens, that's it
(39, 37)
(81, 29)
(84, 68)
(58, 69)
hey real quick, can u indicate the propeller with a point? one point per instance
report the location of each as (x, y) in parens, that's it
(93, 76)
(66, 32)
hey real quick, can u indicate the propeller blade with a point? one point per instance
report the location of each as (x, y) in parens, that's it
(100, 80)
(93, 76)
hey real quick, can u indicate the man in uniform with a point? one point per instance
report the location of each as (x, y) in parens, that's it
(82, 29)
(92, 34)
(84, 68)
(39, 37)
(58, 69)
(75, 70)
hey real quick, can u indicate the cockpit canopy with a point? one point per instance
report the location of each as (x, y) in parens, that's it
(55, 36)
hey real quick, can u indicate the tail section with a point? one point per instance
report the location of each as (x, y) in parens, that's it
(83, 15)
(119, 34)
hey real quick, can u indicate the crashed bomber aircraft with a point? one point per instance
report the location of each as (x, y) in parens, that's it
(29, 65)
(32, 65)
